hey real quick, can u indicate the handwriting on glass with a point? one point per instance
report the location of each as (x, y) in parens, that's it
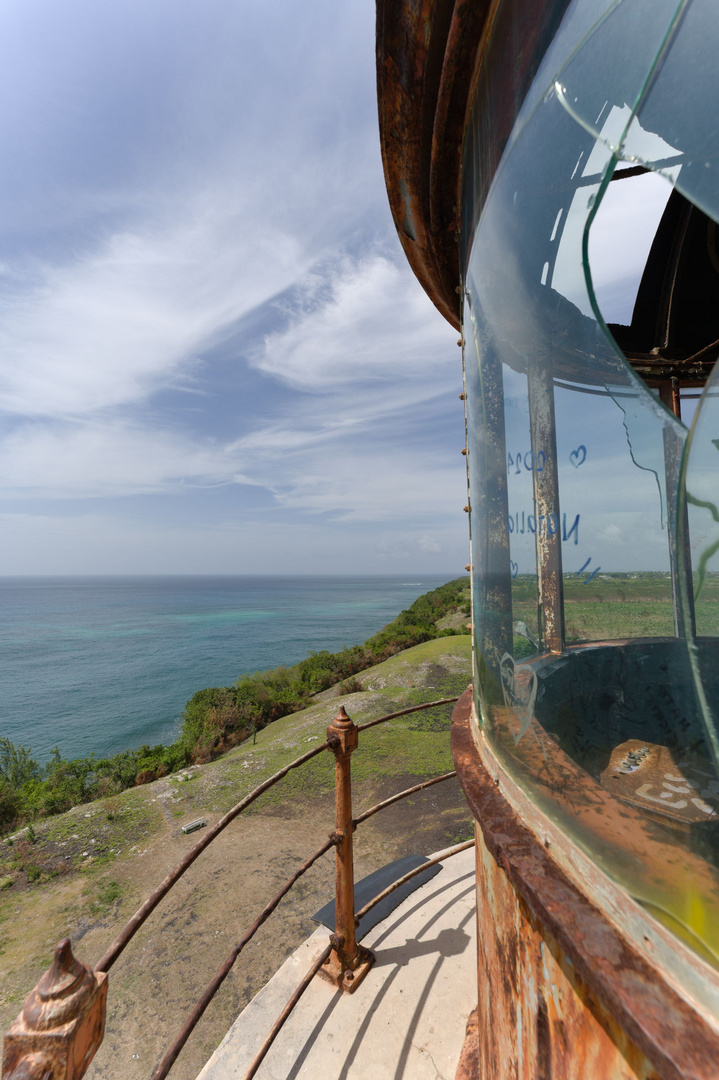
(528, 460)
(590, 576)
(542, 525)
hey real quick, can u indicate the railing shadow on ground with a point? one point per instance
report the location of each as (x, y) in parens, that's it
(62, 1022)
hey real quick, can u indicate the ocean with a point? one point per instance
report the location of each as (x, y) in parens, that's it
(101, 664)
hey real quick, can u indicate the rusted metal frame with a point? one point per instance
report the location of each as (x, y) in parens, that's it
(677, 532)
(402, 795)
(281, 1019)
(412, 874)
(345, 877)
(673, 1036)
(708, 354)
(405, 712)
(491, 561)
(664, 328)
(543, 439)
(469, 27)
(411, 41)
(133, 925)
(171, 1056)
(30, 1051)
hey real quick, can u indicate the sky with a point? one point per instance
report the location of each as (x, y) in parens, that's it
(213, 355)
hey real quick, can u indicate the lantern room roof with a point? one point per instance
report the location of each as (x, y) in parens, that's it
(430, 57)
(425, 63)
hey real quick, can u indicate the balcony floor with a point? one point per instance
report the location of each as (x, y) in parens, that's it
(407, 1019)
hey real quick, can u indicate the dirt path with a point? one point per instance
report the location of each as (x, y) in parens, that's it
(156, 981)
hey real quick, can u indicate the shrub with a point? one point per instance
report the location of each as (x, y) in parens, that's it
(214, 719)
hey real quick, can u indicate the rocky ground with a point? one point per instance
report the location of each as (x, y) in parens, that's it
(83, 873)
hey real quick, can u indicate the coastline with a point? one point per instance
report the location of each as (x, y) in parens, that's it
(215, 718)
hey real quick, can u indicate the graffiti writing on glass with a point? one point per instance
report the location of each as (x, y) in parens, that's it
(543, 525)
(526, 462)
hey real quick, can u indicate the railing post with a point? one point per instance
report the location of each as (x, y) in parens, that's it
(348, 963)
(60, 1028)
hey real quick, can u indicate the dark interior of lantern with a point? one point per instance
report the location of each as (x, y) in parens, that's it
(673, 338)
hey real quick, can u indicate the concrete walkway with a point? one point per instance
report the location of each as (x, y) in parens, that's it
(407, 1019)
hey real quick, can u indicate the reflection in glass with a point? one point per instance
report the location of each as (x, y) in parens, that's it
(594, 579)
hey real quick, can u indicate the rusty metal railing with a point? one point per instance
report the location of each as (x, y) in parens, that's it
(62, 1022)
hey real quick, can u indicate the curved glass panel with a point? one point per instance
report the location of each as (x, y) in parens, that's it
(701, 492)
(585, 685)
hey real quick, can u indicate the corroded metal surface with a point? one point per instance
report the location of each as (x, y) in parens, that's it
(468, 1068)
(411, 41)
(681, 787)
(545, 482)
(562, 992)
(349, 962)
(60, 1028)
(428, 56)
(536, 1016)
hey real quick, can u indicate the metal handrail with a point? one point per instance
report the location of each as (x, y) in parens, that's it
(133, 925)
(322, 959)
(348, 962)
(171, 1056)
(402, 795)
(281, 1019)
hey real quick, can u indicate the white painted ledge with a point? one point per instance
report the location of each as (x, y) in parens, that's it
(407, 1019)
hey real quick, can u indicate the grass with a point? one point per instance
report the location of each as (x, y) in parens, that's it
(90, 837)
(417, 744)
(107, 894)
(616, 606)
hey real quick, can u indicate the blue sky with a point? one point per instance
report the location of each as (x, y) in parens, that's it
(213, 356)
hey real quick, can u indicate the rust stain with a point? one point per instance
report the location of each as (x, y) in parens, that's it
(349, 962)
(559, 985)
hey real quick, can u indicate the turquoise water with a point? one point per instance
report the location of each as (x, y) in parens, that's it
(102, 664)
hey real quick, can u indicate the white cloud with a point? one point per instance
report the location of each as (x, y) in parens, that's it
(357, 321)
(102, 543)
(428, 543)
(111, 327)
(368, 483)
(138, 249)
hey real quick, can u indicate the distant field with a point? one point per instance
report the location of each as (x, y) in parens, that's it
(618, 605)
